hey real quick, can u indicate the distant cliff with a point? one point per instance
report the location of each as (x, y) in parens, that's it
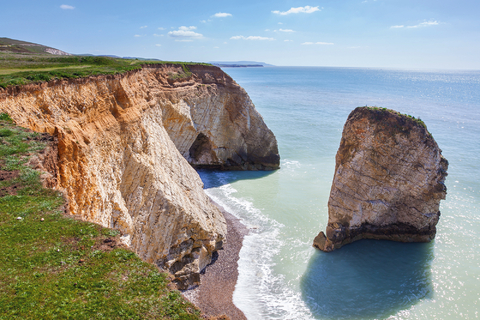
(126, 146)
(388, 183)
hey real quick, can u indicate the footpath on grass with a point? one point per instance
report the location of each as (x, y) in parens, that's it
(55, 267)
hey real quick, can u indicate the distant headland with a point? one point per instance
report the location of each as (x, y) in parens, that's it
(240, 64)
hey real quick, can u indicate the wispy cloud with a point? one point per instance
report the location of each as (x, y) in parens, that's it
(321, 43)
(183, 40)
(160, 28)
(286, 30)
(66, 7)
(185, 32)
(287, 40)
(425, 24)
(420, 25)
(143, 27)
(138, 36)
(158, 45)
(251, 38)
(306, 9)
(222, 15)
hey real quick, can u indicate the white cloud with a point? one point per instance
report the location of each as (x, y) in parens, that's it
(216, 47)
(251, 38)
(203, 21)
(306, 9)
(225, 43)
(66, 7)
(269, 30)
(143, 27)
(183, 40)
(286, 30)
(158, 45)
(425, 24)
(280, 23)
(288, 40)
(185, 32)
(420, 25)
(222, 15)
(137, 36)
(157, 35)
(161, 28)
(321, 43)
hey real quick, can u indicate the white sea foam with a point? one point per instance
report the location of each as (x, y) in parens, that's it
(260, 292)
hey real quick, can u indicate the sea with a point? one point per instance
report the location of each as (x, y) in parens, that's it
(281, 276)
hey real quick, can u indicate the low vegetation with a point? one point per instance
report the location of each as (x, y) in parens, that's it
(56, 267)
(23, 68)
(410, 117)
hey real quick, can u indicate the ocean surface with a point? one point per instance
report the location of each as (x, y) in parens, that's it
(281, 276)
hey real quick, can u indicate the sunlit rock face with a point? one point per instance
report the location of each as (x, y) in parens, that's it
(388, 183)
(126, 146)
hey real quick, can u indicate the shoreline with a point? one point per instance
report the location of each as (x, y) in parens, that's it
(214, 296)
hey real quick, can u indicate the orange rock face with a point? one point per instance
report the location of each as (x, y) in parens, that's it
(124, 146)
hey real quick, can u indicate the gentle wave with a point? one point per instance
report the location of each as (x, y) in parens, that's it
(260, 293)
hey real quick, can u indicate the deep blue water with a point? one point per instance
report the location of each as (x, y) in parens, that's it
(281, 275)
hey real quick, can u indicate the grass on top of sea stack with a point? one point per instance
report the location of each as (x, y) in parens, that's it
(56, 267)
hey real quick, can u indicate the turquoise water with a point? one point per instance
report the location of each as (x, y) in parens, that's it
(280, 275)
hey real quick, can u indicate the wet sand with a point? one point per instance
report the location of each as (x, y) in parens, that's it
(214, 295)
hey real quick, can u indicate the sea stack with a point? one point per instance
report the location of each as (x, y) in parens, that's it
(388, 182)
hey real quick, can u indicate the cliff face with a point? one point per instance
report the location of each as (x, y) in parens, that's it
(388, 183)
(123, 146)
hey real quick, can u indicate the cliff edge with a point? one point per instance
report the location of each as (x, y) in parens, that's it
(388, 182)
(126, 146)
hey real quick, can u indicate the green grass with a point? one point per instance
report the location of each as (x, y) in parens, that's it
(20, 69)
(410, 117)
(59, 268)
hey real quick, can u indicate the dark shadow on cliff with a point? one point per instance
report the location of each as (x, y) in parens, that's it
(215, 178)
(368, 279)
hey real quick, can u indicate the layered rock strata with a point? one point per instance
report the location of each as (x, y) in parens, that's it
(388, 182)
(124, 147)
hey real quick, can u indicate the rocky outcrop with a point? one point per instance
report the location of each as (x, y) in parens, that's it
(124, 147)
(388, 183)
(222, 130)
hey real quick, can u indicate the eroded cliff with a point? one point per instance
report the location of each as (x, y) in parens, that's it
(388, 183)
(124, 147)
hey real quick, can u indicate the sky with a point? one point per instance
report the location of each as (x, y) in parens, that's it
(405, 34)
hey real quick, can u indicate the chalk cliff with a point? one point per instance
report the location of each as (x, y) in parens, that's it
(388, 183)
(124, 147)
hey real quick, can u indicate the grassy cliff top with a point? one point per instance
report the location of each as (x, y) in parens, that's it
(23, 68)
(56, 267)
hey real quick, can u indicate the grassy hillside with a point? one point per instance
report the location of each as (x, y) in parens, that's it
(18, 46)
(55, 267)
(20, 69)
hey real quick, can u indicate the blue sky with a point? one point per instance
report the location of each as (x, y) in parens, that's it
(430, 34)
